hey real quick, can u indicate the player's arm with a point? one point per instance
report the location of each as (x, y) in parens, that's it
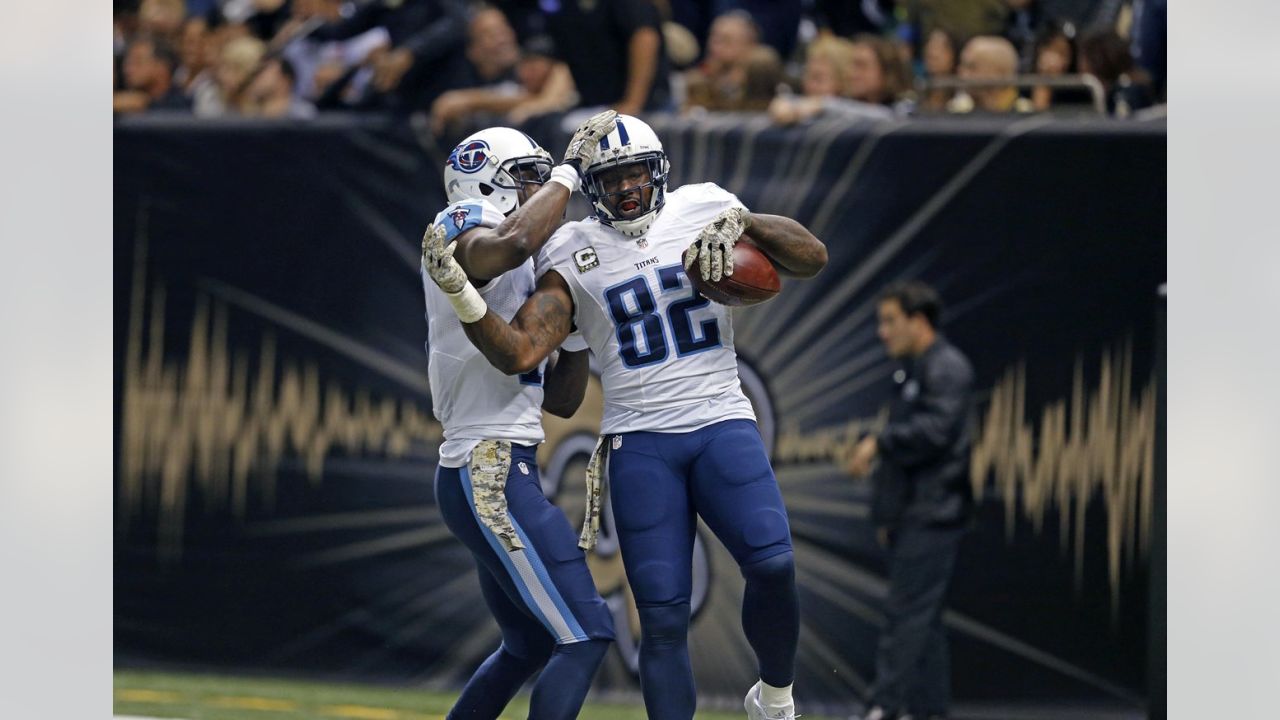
(487, 253)
(795, 250)
(539, 327)
(565, 383)
(792, 248)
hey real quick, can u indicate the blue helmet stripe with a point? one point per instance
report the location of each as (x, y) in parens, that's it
(622, 133)
(604, 143)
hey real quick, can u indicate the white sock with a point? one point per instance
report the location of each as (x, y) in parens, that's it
(774, 697)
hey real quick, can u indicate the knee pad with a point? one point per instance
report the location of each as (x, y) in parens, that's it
(665, 625)
(776, 568)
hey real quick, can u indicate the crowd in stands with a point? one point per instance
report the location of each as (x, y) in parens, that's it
(795, 60)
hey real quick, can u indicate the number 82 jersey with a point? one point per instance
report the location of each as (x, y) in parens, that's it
(665, 352)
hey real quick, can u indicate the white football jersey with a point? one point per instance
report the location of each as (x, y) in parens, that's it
(665, 353)
(471, 398)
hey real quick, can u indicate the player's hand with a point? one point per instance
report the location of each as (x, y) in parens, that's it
(713, 248)
(439, 262)
(586, 140)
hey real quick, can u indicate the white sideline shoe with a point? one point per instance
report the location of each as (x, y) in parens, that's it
(756, 711)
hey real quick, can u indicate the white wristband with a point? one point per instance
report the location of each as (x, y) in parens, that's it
(468, 304)
(566, 175)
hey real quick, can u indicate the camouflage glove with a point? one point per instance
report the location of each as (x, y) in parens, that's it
(713, 248)
(586, 141)
(446, 273)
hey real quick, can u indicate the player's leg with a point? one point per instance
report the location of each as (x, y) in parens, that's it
(655, 526)
(525, 648)
(547, 579)
(736, 494)
(562, 687)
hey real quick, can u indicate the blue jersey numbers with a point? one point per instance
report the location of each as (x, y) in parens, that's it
(638, 322)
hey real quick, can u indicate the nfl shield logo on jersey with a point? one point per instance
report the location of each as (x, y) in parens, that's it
(460, 216)
(524, 469)
(617, 442)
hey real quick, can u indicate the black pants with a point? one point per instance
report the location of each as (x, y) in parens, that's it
(913, 666)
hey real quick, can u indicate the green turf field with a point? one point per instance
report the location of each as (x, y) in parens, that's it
(210, 697)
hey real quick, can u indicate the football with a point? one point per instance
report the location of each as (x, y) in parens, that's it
(753, 281)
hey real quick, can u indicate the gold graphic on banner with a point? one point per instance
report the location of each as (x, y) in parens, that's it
(1099, 444)
(210, 426)
(1095, 444)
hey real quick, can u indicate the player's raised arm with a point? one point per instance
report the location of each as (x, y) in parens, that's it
(541, 324)
(791, 247)
(565, 383)
(485, 253)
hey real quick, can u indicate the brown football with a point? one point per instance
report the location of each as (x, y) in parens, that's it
(753, 281)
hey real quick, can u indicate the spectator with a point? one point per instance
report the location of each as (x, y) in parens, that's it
(989, 57)
(326, 69)
(1105, 55)
(272, 93)
(829, 82)
(492, 51)
(719, 82)
(195, 33)
(421, 59)
(922, 501)
(761, 78)
(542, 85)
(615, 52)
(1055, 56)
(148, 68)
(877, 72)
(224, 96)
(546, 82)
(161, 19)
(941, 52)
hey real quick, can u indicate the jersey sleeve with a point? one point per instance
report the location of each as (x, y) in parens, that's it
(713, 194)
(466, 214)
(575, 342)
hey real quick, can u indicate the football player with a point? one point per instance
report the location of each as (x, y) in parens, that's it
(505, 200)
(679, 436)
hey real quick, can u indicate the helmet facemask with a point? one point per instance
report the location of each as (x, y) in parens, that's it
(517, 174)
(606, 197)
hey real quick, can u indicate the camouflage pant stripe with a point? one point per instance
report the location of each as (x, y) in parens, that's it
(490, 462)
(595, 488)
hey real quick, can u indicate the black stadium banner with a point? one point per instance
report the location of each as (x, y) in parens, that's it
(275, 443)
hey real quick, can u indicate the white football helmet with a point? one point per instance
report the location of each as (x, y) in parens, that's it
(487, 165)
(630, 141)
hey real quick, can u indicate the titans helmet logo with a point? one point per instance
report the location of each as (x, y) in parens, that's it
(460, 216)
(470, 157)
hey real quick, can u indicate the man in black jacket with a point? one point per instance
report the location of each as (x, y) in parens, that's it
(922, 500)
